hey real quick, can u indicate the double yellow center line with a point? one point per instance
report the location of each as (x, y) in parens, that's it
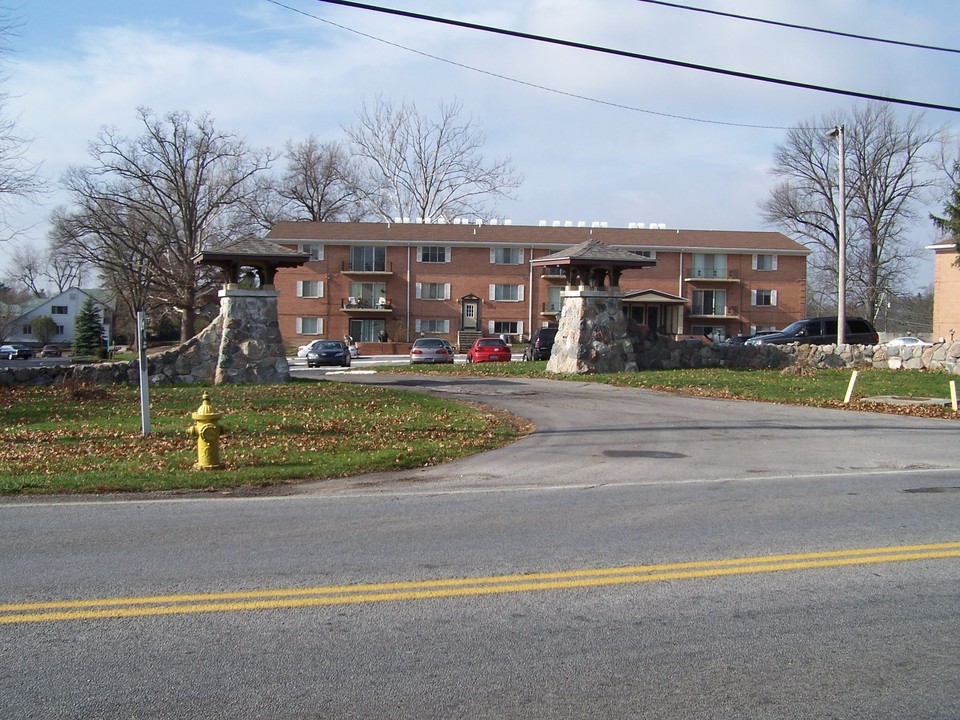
(123, 607)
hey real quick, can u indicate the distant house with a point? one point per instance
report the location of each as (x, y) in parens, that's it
(946, 291)
(63, 310)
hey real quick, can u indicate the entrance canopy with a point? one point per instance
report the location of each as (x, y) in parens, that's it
(264, 256)
(591, 262)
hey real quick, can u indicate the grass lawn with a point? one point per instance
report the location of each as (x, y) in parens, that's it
(83, 439)
(822, 388)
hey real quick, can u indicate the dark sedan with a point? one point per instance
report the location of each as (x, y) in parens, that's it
(15, 351)
(328, 352)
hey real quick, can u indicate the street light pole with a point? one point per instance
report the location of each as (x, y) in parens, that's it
(837, 132)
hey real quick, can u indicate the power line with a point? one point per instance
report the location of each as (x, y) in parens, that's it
(639, 56)
(807, 28)
(527, 83)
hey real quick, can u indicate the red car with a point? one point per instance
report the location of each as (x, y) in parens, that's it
(488, 350)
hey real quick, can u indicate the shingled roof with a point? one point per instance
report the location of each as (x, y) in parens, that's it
(391, 233)
(594, 252)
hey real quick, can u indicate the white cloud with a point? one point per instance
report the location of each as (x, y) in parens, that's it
(271, 75)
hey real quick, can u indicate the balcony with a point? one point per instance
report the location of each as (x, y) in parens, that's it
(361, 306)
(727, 313)
(712, 275)
(366, 269)
(553, 275)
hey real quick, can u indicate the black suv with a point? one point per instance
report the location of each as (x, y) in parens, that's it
(541, 343)
(821, 331)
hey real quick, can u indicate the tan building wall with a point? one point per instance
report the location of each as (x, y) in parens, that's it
(714, 271)
(946, 292)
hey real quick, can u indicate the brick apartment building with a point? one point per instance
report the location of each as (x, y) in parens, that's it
(946, 292)
(412, 279)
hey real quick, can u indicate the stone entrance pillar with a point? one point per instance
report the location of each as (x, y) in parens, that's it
(592, 337)
(592, 332)
(251, 347)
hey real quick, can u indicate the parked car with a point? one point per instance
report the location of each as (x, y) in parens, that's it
(488, 350)
(821, 331)
(50, 351)
(431, 350)
(451, 348)
(304, 349)
(907, 341)
(328, 352)
(541, 344)
(15, 351)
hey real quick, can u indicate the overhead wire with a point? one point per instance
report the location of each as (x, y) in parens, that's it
(639, 56)
(807, 28)
(526, 83)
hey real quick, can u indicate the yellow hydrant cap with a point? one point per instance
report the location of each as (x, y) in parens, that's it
(205, 412)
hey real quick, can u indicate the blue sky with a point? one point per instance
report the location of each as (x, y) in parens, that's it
(270, 74)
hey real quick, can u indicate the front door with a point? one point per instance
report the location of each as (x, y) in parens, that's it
(470, 313)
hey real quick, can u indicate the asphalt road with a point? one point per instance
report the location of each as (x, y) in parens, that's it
(640, 555)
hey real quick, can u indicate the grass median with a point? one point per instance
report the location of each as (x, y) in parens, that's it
(87, 439)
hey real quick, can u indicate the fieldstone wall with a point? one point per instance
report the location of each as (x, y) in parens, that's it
(666, 354)
(242, 345)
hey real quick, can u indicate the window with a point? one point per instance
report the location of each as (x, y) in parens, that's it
(437, 327)
(505, 327)
(763, 298)
(506, 256)
(709, 266)
(652, 254)
(368, 258)
(309, 288)
(512, 293)
(60, 310)
(433, 291)
(765, 262)
(309, 326)
(709, 302)
(314, 250)
(434, 254)
(554, 302)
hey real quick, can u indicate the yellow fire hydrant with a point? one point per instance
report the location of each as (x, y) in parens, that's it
(206, 429)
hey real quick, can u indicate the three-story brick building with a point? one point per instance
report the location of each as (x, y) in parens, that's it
(411, 279)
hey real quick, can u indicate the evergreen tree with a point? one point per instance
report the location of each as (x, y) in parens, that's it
(87, 331)
(949, 224)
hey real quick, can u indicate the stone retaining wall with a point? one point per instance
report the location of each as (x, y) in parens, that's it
(667, 354)
(191, 363)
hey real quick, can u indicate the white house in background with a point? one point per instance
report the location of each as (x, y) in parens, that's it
(63, 310)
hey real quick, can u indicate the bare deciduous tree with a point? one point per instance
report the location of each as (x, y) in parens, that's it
(26, 268)
(321, 183)
(57, 268)
(19, 178)
(178, 187)
(427, 169)
(122, 249)
(886, 176)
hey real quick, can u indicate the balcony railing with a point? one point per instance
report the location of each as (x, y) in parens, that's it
(366, 267)
(712, 274)
(365, 304)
